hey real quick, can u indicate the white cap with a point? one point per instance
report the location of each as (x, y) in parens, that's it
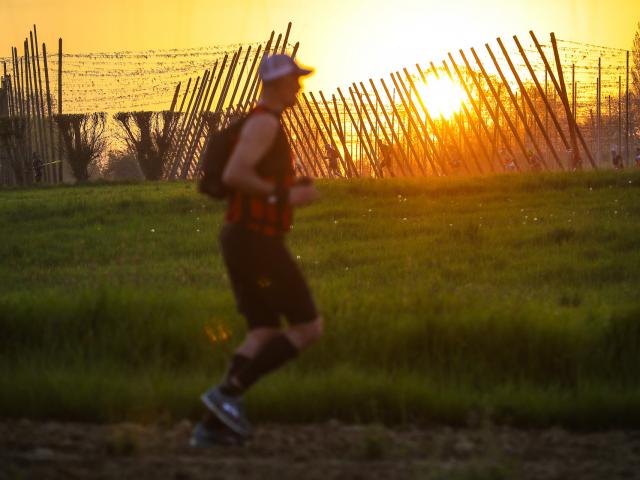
(280, 65)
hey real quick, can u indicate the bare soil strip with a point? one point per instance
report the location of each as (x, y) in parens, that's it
(49, 450)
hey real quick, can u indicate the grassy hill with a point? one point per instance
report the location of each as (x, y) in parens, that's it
(446, 300)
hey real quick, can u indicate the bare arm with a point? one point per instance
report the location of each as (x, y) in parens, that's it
(256, 137)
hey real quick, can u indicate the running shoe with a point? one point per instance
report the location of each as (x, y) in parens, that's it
(228, 409)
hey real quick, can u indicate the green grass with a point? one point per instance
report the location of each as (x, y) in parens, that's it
(512, 297)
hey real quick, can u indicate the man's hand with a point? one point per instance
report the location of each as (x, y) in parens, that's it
(301, 195)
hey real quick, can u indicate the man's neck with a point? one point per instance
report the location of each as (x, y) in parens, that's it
(271, 104)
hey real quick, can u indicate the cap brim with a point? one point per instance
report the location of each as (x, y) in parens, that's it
(302, 72)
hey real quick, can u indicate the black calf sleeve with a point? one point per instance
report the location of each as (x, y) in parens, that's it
(278, 351)
(238, 363)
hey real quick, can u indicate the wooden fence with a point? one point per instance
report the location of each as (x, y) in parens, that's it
(29, 145)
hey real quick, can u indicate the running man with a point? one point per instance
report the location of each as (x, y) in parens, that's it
(266, 281)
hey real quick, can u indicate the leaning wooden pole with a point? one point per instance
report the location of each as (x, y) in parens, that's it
(398, 155)
(627, 128)
(532, 107)
(49, 110)
(460, 123)
(485, 101)
(472, 124)
(500, 106)
(305, 127)
(347, 156)
(434, 128)
(343, 162)
(362, 138)
(563, 98)
(34, 136)
(574, 131)
(255, 93)
(543, 93)
(250, 76)
(417, 157)
(444, 122)
(256, 79)
(239, 79)
(186, 133)
(37, 82)
(353, 91)
(16, 81)
(60, 150)
(286, 39)
(194, 134)
(179, 132)
(512, 127)
(406, 161)
(326, 140)
(302, 138)
(425, 139)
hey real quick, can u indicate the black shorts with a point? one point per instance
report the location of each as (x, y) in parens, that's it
(266, 281)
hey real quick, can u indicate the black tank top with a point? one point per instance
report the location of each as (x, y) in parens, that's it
(255, 212)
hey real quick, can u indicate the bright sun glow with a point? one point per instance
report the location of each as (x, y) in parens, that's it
(441, 96)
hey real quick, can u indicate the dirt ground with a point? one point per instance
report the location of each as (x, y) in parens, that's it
(48, 450)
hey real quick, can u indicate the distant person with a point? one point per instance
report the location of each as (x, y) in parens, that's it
(510, 165)
(386, 158)
(297, 165)
(37, 166)
(266, 281)
(617, 162)
(332, 155)
(455, 162)
(575, 161)
(534, 161)
(637, 157)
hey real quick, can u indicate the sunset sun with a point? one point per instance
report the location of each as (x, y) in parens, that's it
(440, 96)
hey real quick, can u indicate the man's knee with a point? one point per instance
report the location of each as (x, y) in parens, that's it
(256, 339)
(263, 333)
(305, 334)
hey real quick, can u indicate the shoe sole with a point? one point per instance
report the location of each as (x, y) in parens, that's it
(223, 417)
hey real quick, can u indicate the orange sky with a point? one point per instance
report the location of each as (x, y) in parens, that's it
(345, 40)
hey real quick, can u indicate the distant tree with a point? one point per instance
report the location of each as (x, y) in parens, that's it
(121, 166)
(84, 140)
(148, 138)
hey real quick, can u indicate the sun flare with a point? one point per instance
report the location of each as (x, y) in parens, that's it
(441, 96)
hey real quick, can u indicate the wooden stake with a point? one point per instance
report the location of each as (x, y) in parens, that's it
(359, 133)
(351, 168)
(344, 164)
(532, 107)
(493, 114)
(404, 130)
(434, 128)
(472, 124)
(428, 146)
(543, 93)
(378, 167)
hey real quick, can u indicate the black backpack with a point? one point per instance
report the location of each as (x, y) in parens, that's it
(215, 157)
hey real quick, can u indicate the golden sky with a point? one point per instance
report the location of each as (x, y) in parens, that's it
(345, 40)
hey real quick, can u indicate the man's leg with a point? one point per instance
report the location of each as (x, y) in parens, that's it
(253, 343)
(276, 352)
